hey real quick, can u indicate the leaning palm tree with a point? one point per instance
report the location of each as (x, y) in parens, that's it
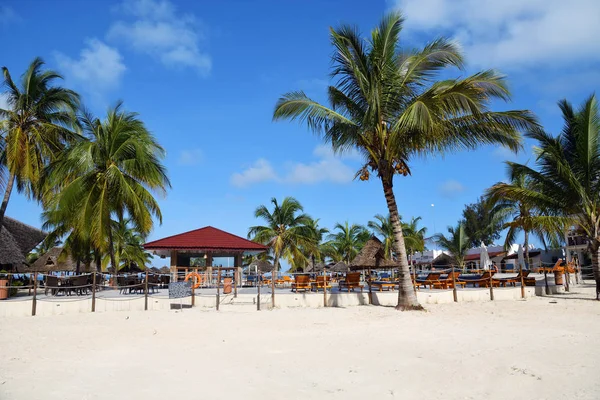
(387, 105)
(456, 243)
(519, 216)
(108, 177)
(287, 229)
(566, 183)
(36, 126)
(348, 240)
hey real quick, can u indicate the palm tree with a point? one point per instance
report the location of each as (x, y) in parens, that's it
(387, 106)
(128, 246)
(110, 177)
(566, 185)
(34, 129)
(348, 240)
(456, 243)
(383, 228)
(517, 215)
(287, 229)
(414, 237)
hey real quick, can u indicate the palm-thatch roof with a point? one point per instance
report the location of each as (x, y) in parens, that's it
(318, 267)
(262, 266)
(339, 267)
(17, 240)
(372, 256)
(165, 270)
(58, 260)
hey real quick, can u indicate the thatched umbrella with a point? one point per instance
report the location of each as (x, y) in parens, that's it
(339, 267)
(165, 270)
(261, 266)
(58, 260)
(371, 256)
(316, 267)
(16, 241)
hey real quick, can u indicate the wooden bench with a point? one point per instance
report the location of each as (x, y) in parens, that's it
(352, 282)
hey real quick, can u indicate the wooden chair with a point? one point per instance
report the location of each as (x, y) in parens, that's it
(287, 280)
(383, 285)
(448, 283)
(430, 279)
(514, 280)
(351, 282)
(482, 281)
(302, 282)
(321, 282)
(556, 268)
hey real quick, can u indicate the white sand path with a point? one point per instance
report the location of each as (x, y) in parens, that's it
(530, 349)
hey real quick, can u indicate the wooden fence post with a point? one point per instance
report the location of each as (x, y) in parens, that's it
(34, 302)
(146, 292)
(454, 294)
(94, 292)
(258, 284)
(218, 288)
(491, 286)
(324, 288)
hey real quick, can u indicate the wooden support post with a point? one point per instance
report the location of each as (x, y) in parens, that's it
(522, 281)
(567, 278)
(454, 294)
(369, 283)
(34, 302)
(194, 290)
(546, 281)
(324, 288)
(218, 287)
(491, 286)
(146, 291)
(30, 285)
(258, 285)
(235, 281)
(94, 292)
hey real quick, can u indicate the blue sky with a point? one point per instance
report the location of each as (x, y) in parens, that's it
(205, 76)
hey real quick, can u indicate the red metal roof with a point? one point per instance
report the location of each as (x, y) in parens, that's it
(207, 238)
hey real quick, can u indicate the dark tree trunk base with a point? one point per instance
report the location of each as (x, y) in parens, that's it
(410, 308)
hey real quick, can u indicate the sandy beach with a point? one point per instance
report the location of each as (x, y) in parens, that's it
(541, 348)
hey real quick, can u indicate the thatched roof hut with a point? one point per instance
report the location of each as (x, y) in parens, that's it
(16, 241)
(165, 270)
(58, 260)
(372, 256)
(262, 266)
(318, 267)
(339, 267)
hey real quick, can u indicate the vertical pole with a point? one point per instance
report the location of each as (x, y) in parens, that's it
(34, 302)
(324, 287)
(454, 294)
(567, 276)
(546, 281)
(193, 287)
(258, 284)
(235, 283)
(146, 291)
(491, 286)
(522, 281)
(30, 285)
(94, 292)
(218, 287)
(369, 283)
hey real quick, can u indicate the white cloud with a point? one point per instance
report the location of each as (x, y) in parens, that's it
(512, 33)
(3, 101)
(99, 67)
(505, 154)
(156, 29)
(190, 157)
(327, 168)
(8, 15)
(260, 171)
(451, 188)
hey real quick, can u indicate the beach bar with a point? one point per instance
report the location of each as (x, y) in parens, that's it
(195, 251)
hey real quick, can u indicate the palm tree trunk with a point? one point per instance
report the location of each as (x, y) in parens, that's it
(273, 275)
(526, 245)
(111, 252)
(407, 298)
(9, 187)
(595, 250)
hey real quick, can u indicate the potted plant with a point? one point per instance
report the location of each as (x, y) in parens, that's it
(3, 285)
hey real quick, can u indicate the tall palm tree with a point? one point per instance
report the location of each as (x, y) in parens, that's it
(34, 129)
(287, 229)
(111, 176)
(348, 240)
(387, 106)
(456, 243)
(128, 246)
(517, 215)
(566, 183)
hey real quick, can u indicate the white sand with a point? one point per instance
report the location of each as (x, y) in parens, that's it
(504, 350)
